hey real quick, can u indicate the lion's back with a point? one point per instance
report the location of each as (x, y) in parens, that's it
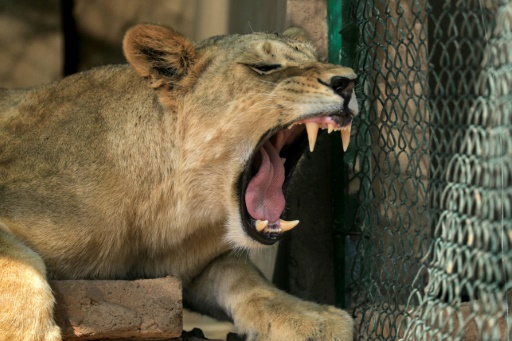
(60, 163)
(9, 102)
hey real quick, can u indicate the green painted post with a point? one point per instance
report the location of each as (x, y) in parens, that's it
(341, 49)
(334, 28)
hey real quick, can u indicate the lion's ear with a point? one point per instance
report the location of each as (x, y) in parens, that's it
(158, 53)
(298, 33)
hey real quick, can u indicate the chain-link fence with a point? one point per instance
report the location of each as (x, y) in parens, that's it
(431, 168)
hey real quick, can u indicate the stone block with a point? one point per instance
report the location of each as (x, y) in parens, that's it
(118, 309)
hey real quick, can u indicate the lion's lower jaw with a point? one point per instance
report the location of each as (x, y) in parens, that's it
(236, 237)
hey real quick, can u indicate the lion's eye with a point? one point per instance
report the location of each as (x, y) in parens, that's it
(265, 68)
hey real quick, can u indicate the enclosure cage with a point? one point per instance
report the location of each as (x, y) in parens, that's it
(423, 230)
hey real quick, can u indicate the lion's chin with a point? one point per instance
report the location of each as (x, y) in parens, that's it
(263, 182)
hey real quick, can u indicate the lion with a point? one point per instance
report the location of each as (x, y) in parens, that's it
(174, 164)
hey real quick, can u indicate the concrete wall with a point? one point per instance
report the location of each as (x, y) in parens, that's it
(33, 32)
(31, 42)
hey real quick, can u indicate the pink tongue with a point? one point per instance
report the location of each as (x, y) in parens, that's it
(264, 195)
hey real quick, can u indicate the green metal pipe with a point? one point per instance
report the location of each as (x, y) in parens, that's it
(342, 39)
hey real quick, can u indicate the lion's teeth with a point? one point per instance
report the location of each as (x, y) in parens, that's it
(283, 160)
(261, 224)
(330, 128)
(287, 225)
(345, 136)
(312, 129)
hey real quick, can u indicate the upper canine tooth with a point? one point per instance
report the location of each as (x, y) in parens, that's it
(330, 127)
(312, 130)
(345, 136)
(261, 224)
(287, 225)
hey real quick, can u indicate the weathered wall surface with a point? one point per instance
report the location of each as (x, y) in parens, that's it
(31, 42)
(32, 31)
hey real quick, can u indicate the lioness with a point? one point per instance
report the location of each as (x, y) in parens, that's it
(165, 167)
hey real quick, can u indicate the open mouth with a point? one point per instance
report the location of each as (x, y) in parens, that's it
(265, 178)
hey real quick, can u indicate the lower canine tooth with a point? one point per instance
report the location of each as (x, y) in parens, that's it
(261, 224)
(287, 225)
(345, 136)
(312, 130)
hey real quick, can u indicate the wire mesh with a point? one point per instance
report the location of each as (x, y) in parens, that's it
(432, 169)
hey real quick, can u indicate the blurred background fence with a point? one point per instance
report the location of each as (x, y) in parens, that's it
(427, 233)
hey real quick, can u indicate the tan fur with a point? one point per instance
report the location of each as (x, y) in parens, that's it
(130, 172)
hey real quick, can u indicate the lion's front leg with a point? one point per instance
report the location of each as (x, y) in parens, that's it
(26, 300)
(263, 312)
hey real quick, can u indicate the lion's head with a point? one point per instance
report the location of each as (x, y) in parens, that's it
(245, 107)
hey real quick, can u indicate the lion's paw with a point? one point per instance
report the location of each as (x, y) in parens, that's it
(295, 320)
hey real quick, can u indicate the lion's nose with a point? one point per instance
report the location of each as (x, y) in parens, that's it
(343, 86)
